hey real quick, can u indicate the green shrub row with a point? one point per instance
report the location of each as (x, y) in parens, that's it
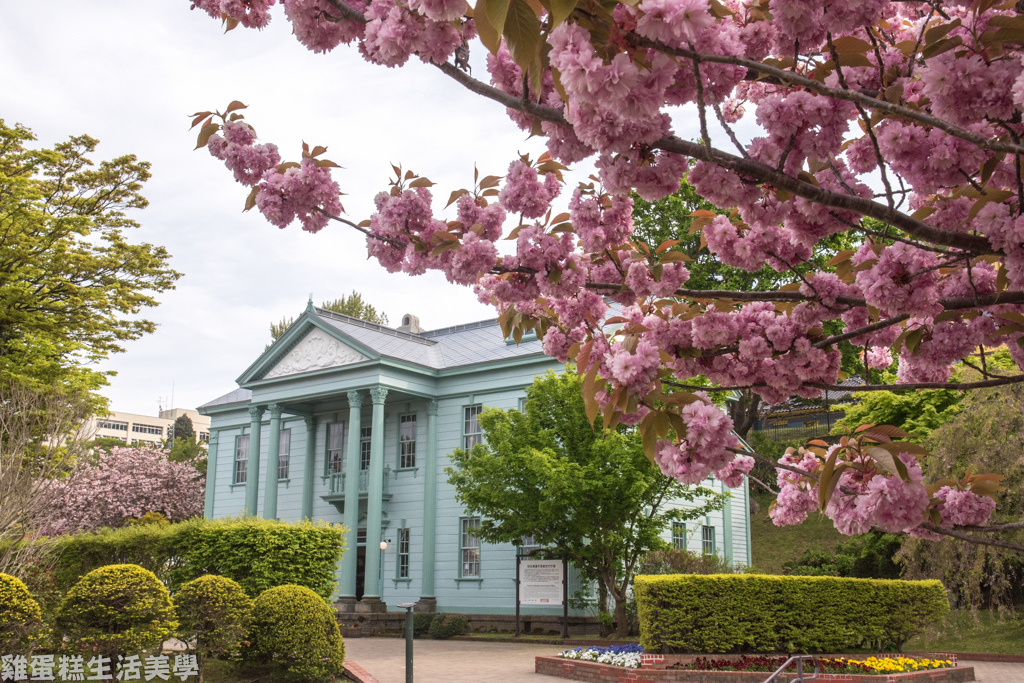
(761, 613)
(288, 631)
(259, 554)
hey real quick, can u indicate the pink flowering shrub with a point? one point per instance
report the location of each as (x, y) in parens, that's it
(126, 484)
(899, 123)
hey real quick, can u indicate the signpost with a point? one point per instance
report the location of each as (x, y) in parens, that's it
(542, 582)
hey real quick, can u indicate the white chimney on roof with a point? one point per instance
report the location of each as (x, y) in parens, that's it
(410, 323)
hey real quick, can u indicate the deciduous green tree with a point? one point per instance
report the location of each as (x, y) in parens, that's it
(917, 412)
(351, 305)
(71, 284)
(590, 495)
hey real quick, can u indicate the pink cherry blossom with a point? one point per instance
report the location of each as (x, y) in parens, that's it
(126, 484)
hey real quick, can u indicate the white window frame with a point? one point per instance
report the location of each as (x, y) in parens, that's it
(679, 535)
(365, 447)
(707, 540)
(402, 566)
(406, 446)
(471, 418)
(334, 463)
(241, 458)
(284, 454)
(469, 548)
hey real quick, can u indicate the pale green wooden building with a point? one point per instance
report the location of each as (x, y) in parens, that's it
(352, 422)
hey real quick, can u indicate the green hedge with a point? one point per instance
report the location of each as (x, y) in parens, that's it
(257, 553)
(760, 613)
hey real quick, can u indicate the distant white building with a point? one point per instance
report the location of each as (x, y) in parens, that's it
(145, 429)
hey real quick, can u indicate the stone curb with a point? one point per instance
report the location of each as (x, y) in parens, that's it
(354, 672)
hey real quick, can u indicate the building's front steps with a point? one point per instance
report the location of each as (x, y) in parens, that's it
(376, 623)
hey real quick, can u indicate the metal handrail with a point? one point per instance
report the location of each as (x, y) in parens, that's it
(799, 668)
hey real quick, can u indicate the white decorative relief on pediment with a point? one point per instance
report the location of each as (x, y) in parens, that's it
(318, 350)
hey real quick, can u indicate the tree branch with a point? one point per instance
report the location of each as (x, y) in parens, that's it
(952, 386)
(978, 540)
(979, 246)
(790, 78)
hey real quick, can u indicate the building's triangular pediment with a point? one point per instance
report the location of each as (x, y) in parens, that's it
(318, 350)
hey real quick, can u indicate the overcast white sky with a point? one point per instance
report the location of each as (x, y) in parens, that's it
(129, 73)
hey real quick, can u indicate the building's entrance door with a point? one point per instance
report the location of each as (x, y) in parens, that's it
(360, 571)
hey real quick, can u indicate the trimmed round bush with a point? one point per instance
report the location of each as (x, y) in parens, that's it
(21, 619)
(120, 608)
(295, 632)
(214, 612)
(445, 626)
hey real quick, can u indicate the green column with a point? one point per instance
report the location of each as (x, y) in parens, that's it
(309, 468)
(273, 463)
(375, 496)
(347, 580)
(430, 503)
(252, 480)
(211, 472)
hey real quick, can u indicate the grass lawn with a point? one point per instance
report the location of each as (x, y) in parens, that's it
(773, 545)
(962, 631)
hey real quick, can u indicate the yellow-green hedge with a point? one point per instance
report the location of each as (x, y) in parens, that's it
(760, 613)
(257, 553)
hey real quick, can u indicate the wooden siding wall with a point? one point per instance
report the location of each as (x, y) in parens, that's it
(498, 388)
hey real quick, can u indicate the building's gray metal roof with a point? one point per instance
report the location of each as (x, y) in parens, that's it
(236, 396)
(449, 347)
(446, 348)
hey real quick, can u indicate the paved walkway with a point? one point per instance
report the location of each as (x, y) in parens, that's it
(449, 661)
(997, 672)
(457, 661)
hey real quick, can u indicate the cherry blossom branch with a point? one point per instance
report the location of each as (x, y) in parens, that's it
(979, 540)
(347, 12)
(952, 386)
(511, 101)
(954, 533)
(867, 329)
(387, 240)
(994, 528)
(951, 304)
(792, 78)
(773, 463)
(979, 246)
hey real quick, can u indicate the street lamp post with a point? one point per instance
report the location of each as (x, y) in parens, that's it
(408, 640)
(380, 568)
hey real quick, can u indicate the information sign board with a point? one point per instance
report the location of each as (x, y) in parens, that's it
(540, 582)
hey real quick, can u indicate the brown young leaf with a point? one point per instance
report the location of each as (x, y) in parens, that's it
(205, 133)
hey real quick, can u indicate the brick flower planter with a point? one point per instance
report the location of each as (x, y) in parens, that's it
(593, 672)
